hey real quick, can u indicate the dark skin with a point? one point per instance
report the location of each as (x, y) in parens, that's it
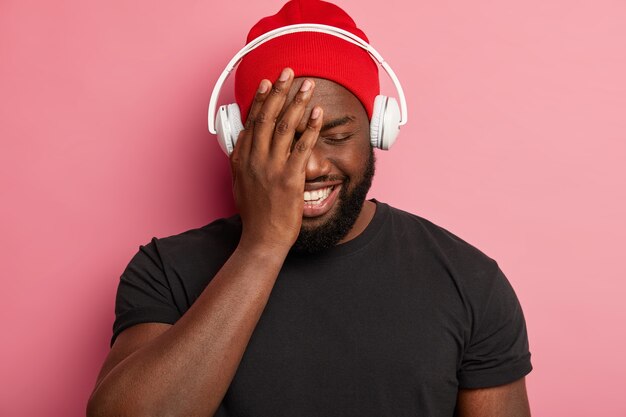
(185, 369)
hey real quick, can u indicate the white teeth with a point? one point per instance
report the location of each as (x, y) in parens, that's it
(317, 196)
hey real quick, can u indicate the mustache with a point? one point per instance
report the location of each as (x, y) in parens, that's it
(326, 178)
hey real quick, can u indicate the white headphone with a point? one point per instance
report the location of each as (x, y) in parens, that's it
(387, 117)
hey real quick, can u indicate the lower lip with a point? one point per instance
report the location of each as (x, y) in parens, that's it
(324, 206)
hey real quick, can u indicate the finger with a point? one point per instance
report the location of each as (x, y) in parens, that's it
(304, 146)
(243, 144)
(241, 149)
(259, 98)
(265, 119)
(286, 126)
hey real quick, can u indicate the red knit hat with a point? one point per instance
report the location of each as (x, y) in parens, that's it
(310, 54)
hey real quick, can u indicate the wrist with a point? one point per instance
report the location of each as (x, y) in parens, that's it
(263, 250)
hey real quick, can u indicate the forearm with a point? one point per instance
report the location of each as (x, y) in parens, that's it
(186, 370)
(510, 400)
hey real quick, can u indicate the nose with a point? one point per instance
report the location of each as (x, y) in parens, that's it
(318, 164)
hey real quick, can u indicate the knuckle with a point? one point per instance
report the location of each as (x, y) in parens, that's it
(276, 90)
(252, 170)
(252, 174)
(298, 99)
(311, 127)
(300, 146)
(261, 117)
(282, 127)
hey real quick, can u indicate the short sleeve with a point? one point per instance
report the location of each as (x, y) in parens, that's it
(143, 293)
(497, 352)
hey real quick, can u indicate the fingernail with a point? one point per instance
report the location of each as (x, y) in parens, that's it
(315, 113)
(306, 85)
(263, 87)
(284, 76)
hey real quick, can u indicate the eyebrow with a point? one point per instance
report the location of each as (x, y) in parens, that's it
(337, 122)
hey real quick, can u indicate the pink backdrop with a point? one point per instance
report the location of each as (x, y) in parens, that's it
(516, 142)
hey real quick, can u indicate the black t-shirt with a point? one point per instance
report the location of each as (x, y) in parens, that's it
(391, 323)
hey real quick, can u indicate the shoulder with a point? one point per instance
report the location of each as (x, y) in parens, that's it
(216, 238)
(443, 258)
(417, 231)
(495, 342)
(219, 229)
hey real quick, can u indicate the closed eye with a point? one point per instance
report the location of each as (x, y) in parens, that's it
(337, 138)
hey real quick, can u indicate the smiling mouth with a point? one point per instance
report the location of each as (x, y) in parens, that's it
(316, 197)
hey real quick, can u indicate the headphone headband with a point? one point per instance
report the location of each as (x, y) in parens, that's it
(303, 27)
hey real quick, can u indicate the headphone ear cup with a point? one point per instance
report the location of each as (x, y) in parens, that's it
(385, 123)
(391, 124)
(228, 125)
(377, 120)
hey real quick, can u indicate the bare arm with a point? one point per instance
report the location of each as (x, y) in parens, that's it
(186, 369)
(508, 400)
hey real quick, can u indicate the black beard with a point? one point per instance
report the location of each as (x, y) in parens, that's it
(337, 227)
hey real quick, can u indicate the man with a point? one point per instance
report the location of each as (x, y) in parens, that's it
(312, 301)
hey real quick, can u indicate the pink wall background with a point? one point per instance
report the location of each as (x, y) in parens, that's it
(516, 142)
